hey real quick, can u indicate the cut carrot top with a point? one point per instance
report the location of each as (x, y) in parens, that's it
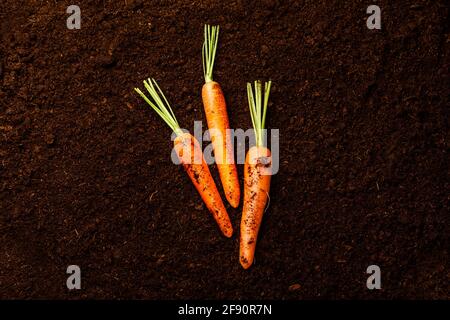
(209, 51)
(258, 109)
(161, 106)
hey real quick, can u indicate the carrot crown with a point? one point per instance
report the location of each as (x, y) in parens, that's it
(161, 106)
(209, 51)
(258, 109)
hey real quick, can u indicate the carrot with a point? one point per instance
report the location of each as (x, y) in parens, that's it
(257, 175)
(217, 118)
(190, 154)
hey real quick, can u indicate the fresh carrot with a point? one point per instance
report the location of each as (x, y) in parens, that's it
(257, 174)
(190, 154)
(217, 118)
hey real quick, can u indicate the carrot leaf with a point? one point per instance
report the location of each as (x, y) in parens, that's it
(258, 108)
(209, 51)
(161, 106)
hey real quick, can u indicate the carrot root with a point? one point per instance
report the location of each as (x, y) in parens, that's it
(257, 176)
(190, 154)
(218, 124)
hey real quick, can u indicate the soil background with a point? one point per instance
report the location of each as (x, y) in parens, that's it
(85, 169)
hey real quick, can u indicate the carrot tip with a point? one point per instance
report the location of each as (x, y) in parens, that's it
(228, 233)
(233, 202)
(233, 198)
(245, 263)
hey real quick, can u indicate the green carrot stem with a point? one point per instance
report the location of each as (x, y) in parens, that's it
(161, 106)
(209, 51)
(258, 108)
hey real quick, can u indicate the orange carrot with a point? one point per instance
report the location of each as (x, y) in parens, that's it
(190, 155)
(257, 175)
(217, 118)
(186, 147)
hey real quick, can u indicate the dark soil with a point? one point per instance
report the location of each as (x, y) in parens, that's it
(86, 176)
